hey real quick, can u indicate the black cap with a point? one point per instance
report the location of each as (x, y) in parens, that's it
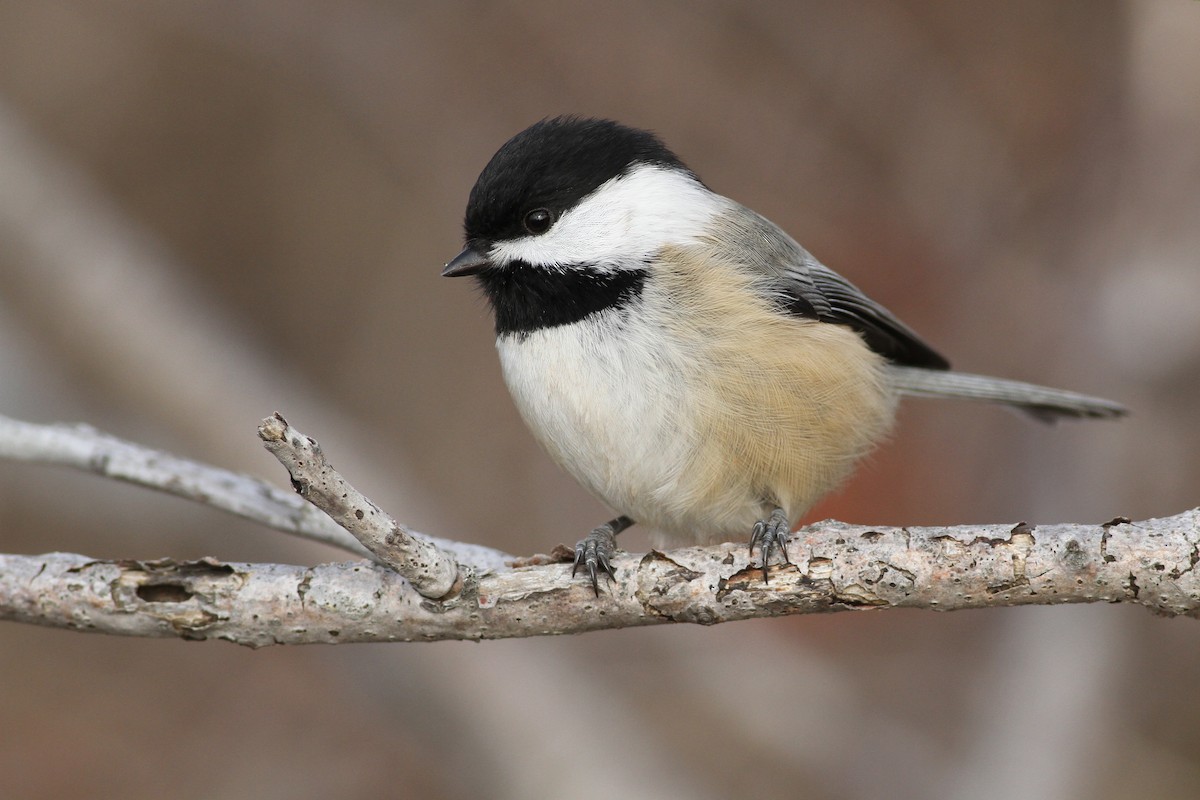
(553, 164)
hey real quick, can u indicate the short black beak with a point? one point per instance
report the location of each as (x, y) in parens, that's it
(468, 262)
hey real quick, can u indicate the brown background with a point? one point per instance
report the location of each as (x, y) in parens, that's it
(281, 182)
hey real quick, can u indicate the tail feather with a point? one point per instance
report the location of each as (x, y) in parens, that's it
(1041, 402)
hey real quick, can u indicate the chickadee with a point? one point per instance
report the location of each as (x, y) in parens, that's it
(681, 356)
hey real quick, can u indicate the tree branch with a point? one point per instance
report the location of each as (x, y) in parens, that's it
(840, 568)
(83, 447)
(432, 572)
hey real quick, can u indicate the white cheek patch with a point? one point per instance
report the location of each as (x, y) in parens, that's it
(621, 224)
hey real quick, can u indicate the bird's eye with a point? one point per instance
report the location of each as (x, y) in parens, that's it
(538, 221)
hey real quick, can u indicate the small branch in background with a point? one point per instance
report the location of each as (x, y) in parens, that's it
(432, 572)
(85, 448)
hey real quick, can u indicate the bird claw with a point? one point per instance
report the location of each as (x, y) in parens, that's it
(594, 553)
(769, 535)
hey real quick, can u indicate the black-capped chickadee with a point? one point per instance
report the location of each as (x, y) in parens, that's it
(681, 356)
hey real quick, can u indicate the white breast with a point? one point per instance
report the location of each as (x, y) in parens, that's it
(606, 397)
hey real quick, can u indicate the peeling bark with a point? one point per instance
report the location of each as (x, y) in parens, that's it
(426, 589)
(838, 567)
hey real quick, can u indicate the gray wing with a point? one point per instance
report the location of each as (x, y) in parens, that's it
(807, 288)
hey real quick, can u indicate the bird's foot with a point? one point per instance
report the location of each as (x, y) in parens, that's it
(595, 551)
(769, 535)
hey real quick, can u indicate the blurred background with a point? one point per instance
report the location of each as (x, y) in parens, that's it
(210, 211)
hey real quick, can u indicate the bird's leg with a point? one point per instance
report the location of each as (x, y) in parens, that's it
(595, 550)
(771, 534)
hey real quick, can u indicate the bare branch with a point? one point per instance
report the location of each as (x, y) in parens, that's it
(83, 447)
(840, 567)
(432, 572)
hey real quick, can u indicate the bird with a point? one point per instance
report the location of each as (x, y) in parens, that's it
(681, 356)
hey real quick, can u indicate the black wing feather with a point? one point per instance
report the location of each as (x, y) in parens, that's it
(882, 331)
